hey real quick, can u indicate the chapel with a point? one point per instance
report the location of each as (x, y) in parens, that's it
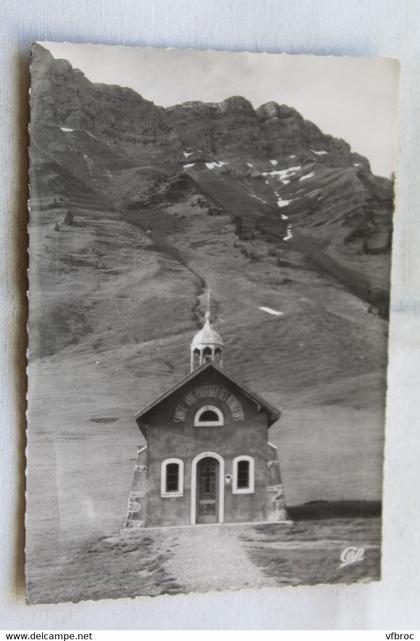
(207, 457)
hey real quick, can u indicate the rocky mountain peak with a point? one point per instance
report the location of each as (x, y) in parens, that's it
(119, 116)
(272, 109)
(253, 163)
(236, 103)
(229, 127)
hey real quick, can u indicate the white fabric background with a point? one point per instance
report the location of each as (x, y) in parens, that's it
(343, 27)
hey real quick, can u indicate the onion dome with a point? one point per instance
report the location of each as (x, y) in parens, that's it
(207, 345)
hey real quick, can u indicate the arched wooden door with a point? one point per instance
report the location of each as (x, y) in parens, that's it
(208, 490)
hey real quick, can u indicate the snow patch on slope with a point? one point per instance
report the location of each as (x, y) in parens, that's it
(289, 234)
(282, 174)
(283, 203)
(307, 176)
(313, 193)
(269, 310)
(258, 198)
(280, 201)
(216, 163)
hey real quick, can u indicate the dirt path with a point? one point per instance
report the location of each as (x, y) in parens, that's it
(212, 558)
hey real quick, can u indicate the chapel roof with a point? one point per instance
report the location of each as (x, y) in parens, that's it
(273, 412)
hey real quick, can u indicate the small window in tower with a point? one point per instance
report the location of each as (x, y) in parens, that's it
(243, 475)
(207, 354)
(209, 416)
(172, 478)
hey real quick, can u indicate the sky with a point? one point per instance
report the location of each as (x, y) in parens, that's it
(351, 98)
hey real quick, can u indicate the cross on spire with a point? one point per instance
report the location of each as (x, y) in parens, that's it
(207, 314)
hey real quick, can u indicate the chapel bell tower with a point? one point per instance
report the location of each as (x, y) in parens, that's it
(206, 345)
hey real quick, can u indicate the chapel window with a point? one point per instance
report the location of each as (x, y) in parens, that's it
(243, 475)
(209, 416)
(172, 478)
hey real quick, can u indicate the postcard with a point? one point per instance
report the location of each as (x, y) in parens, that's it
(209, 274)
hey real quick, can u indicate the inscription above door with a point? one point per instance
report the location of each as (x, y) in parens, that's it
(209, 391)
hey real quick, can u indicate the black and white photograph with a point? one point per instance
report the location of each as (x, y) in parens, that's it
(210, 237)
